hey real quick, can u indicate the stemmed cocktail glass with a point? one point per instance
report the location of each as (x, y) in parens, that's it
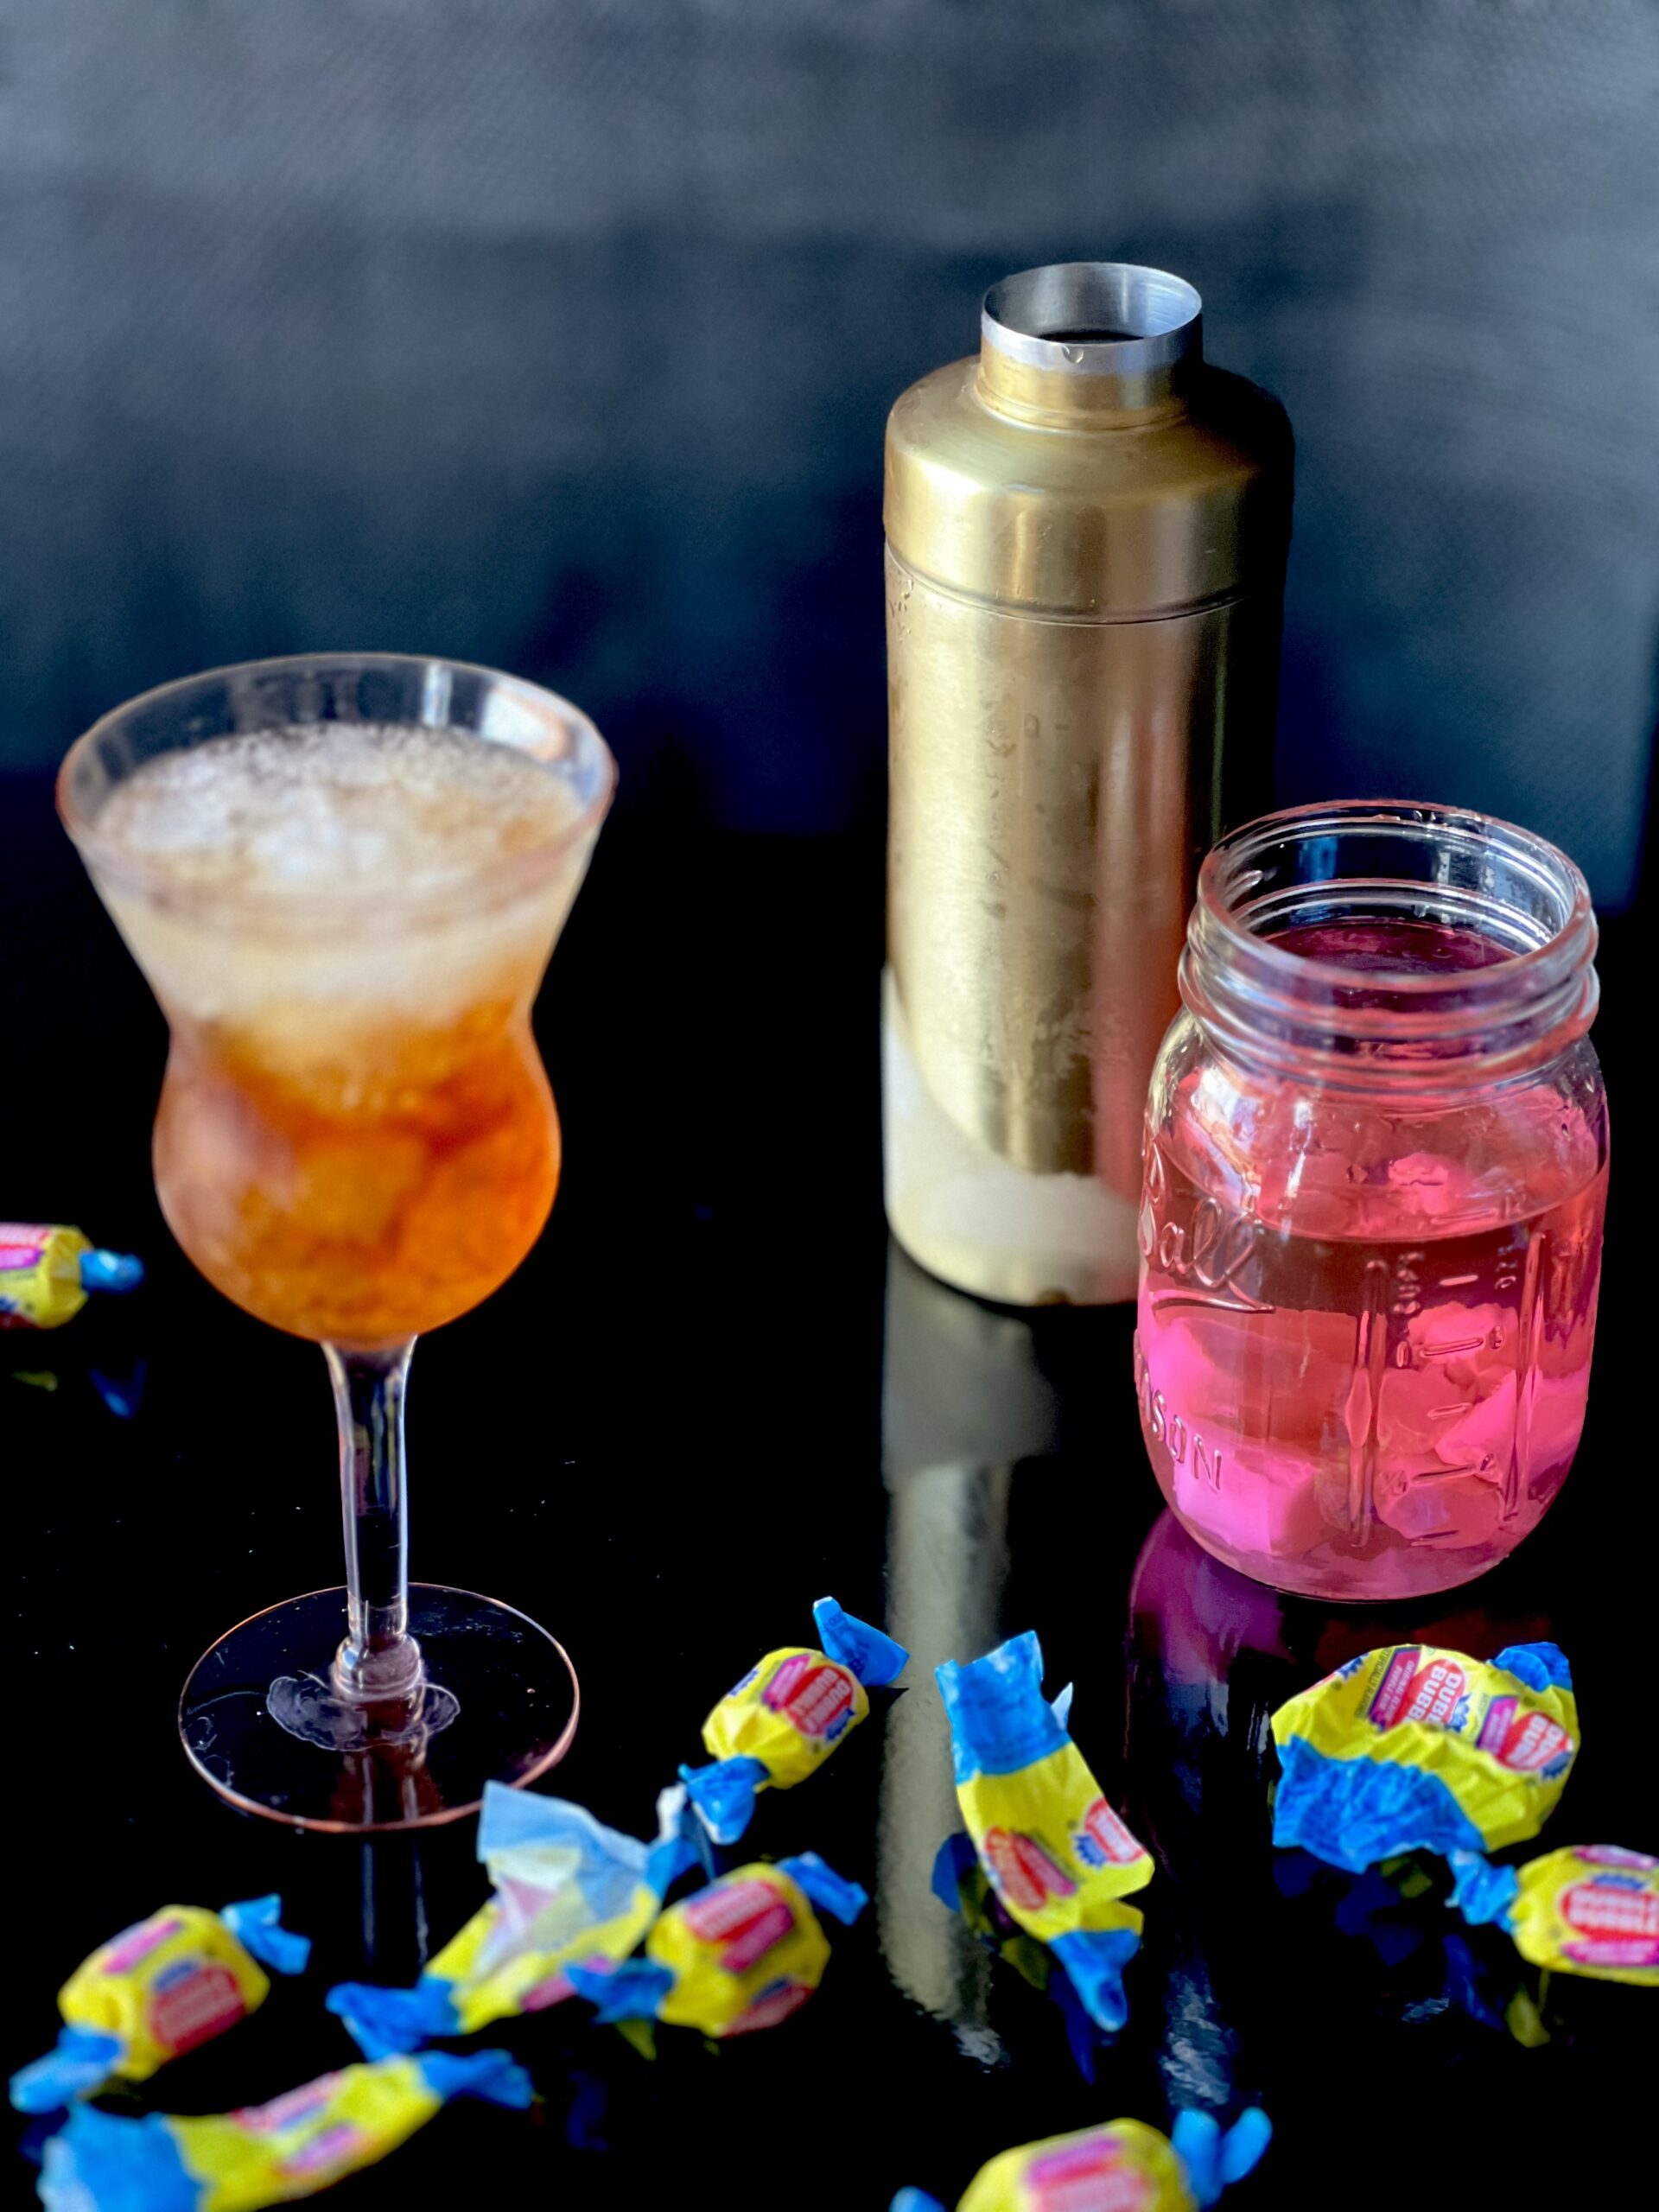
(343, 876)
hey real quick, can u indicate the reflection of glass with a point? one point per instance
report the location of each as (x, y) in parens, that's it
(963, 1400)
(1212, 1655)
(1374, 1178)
(343, 877)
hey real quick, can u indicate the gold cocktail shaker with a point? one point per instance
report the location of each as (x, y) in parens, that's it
(1086, 538)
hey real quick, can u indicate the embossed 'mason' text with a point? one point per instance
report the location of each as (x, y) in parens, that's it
(1168, 1427)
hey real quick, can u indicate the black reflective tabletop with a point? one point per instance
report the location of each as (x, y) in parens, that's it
(714, 1393)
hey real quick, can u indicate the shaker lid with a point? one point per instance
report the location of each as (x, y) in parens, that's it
(1089, 465)
(1093, 320)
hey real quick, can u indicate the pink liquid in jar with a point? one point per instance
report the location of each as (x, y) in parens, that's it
(1365, 1321)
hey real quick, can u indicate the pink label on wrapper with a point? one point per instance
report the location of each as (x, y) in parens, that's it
(557, 1988)
(192, 2003)
(1533, 1741)
(18, 1251)
(1427, 1694)
(1619, 1923)
(750, 1944)
(1109, 1834)
(289, 2111)
(813, 1696)
(1025, 1873)
(333, 2147)
(134, 1945)
(1085, 2177)
(775, 2003)
(743, 1920)
(1496, 1726)
(1606, 1952)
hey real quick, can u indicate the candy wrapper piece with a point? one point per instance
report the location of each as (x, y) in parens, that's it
(156, 1990)
(743, 1953)
(787, 1714)
(1057, 1855)
(1590, 1909)
(47, 1273)
(568, 1891)
(266, 2154)
(1124, 2166)
(1411, 1748)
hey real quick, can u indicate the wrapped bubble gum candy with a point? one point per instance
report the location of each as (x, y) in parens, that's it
(1124, 2166)
(1590, 1910)
(48, 1272)
(266, 2154)
(787, 1714)
(1411, 1748)
(157, 1990)
(1057, 1856)
(567, 1891)
(743, 1953)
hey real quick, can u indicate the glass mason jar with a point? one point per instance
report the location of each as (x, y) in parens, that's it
(1376, 1171)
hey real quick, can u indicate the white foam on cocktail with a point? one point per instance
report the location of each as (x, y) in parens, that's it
(323, 885)
(349, 808)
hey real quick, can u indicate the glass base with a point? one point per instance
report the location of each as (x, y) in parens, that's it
(262, 1722)
(1397, 1575)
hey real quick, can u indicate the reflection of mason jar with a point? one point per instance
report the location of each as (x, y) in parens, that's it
(1212, 1655)
(1375, 1174)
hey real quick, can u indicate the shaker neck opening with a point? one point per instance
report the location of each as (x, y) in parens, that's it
(1079, 338)
(1380, 945)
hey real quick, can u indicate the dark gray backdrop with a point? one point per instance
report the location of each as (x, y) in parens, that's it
(559, 334)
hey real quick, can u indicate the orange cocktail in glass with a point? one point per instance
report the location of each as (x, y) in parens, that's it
(343, 878)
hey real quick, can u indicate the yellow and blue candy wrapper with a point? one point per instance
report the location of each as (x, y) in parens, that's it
(47, 1273)
(1412, 1748)
(1057, 1856)
(567, 1890)
(742, 1954)
(781, 1722)
(1124, 2166)
(268, 2154)
(157, 1990)
(1590, 1909)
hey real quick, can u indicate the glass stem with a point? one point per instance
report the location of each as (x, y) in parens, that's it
(379, 1659)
